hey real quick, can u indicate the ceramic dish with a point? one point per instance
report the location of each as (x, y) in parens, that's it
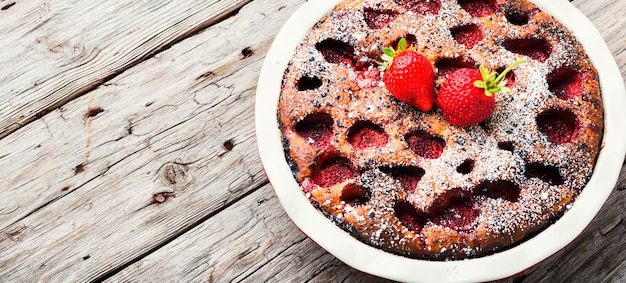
(377, 262)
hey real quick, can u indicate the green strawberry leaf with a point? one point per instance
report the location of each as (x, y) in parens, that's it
(401, 45)
(492, 81)
(389, 53)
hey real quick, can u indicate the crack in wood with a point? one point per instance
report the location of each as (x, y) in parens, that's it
(606, 230)
(7, 6)
(280, 253)
(248, 251)
(206, 76)
(15, 123)
(179, 233)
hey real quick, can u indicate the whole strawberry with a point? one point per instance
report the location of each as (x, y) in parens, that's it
(409, 76)
(466, 97)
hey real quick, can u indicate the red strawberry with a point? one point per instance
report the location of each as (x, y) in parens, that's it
(466, 97)
(409, 76)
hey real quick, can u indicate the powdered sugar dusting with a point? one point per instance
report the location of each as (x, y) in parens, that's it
(483, 169)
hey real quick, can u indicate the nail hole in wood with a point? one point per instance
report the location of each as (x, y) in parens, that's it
(229, 145)
(247, 52)
(93, 112)
(80, 168)
(161, 197)
(86, 257)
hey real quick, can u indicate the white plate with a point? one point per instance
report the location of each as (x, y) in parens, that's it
(374, 261)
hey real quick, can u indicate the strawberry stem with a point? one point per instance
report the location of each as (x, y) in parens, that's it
(508, 69)
(389, 53)
(492, 81)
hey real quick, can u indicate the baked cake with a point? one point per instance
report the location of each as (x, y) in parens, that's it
(410, 183)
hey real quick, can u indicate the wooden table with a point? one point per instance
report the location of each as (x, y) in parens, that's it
(128, 151)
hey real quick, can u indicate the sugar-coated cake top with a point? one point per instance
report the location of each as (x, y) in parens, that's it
(408, 181)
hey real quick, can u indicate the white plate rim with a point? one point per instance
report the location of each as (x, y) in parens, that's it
(374, 261)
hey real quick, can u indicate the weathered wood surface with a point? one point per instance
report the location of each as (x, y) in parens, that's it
(55, 51)
(128, 149)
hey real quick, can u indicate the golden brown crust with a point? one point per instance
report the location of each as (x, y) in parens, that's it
(509, 150)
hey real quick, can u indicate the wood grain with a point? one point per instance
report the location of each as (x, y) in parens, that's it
(91, 190)
(52, 54)
(127, 149)
(612, 28)
(296, 258)
(593, 257)
(275, 251)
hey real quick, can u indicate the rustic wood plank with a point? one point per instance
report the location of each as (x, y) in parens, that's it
(618, 276)
(114, 174)
(257, 243)
(54, 51)
(161, 157)
(20, 158)
(608, 18)
(597, 252)
(296, 258)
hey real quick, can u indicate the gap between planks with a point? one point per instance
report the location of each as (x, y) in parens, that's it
(13, 124)
(181, 232)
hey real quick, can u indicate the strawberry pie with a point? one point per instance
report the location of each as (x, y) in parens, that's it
(441, 129)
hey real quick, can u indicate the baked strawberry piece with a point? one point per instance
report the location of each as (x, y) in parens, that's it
(334, 170)
(467, 35)
(425, 144)
(558, 125)
(409, 217)
(421, 7)
(377, 19)
(365, 134)
(478, 8)
(316, 129)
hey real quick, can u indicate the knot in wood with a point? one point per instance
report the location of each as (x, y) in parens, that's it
(162, 197)
(175, 175)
